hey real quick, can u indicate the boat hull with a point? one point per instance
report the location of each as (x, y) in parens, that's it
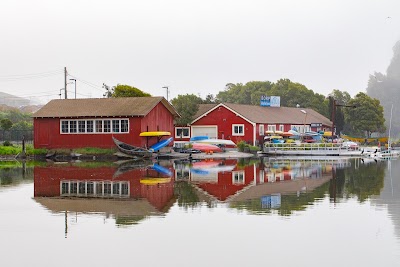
(132, 150)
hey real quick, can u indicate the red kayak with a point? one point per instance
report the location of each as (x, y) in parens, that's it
(206, 147)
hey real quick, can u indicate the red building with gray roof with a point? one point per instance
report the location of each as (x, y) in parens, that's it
(77, 123)
(249, 123)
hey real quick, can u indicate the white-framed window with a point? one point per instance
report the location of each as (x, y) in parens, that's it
(281, 127)
(182, 132)
(81, 126)
(94, 126)
(107, 126)
(261, 129)
(237, 129)
(87, 188)
(238, 177)
(272, 128)
(89, 126)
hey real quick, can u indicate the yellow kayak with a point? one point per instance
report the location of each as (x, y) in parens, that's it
(158, 133)
(155, 181)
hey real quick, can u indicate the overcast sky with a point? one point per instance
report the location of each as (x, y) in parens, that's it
(192, 46)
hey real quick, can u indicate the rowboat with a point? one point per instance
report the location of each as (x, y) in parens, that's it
(132, 150)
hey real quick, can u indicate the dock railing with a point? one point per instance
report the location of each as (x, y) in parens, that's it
(268, 147)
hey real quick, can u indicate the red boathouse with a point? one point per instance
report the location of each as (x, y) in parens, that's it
(77, 123)
(238, 122)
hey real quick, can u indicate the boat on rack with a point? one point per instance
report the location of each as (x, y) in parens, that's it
(133, 151)
(217, 142)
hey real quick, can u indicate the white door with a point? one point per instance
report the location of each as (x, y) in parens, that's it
(210, 131)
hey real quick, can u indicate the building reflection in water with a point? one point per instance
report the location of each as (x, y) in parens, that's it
(133, 191)
(129, 193)
(259, 186)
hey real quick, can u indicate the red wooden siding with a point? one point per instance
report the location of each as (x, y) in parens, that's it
(224, 119)
(225, 187)
(47, 182)
(47, 131)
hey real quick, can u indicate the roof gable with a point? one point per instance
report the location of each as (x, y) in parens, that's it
(102, 107)
(269, 115)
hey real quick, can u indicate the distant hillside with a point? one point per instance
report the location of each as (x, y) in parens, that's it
(13, 101)
(25, 109)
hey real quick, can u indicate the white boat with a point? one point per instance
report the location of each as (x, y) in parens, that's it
(217, 142)
(389, 152)
(385, 154)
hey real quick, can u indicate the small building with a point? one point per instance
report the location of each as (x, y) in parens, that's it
(249, 123)
(77, 123)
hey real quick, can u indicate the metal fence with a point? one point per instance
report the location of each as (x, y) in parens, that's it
(16, 136)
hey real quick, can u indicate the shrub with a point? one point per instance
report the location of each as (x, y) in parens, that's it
(7, 143)
(241, 145)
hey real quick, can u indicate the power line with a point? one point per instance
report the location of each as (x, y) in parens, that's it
(87, 83)
(23, 77)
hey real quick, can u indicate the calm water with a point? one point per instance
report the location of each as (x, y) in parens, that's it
(205, 213)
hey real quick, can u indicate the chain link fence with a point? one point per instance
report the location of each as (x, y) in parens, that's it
(16, 136)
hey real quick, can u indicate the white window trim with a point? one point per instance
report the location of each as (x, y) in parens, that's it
(272, 128)
(183, 136)
(281, 127)
(261, 129)
(95, 193)
(233, 130)
(241, 174)
(94, 126)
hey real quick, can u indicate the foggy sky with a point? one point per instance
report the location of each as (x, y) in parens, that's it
(193, 46)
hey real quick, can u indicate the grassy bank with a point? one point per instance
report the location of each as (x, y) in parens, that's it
(30, 151)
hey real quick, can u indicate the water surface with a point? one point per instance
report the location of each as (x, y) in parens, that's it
(282, 212)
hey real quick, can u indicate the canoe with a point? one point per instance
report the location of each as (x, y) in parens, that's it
(156, 133)
(199, 137)
(161, 169)
(160, 144)
(154, 181)
(132, 150)
(206, 147)
(217, 142)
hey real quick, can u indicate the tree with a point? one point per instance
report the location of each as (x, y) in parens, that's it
(187, 106)
(248, 94)
(292, 94)
(122, 90)
(386, 88)
(6, 124)
(210, 99)
(366, 117)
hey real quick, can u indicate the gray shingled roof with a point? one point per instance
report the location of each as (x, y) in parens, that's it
(102, 107)
(270, 115)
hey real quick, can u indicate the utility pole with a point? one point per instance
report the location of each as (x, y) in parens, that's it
(65, 81)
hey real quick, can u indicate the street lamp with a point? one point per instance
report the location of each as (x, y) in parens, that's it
(305, 118)
(61, 91)
(75, 85)
(166, 87)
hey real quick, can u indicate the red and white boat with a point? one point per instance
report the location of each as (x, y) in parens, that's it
(206, 147)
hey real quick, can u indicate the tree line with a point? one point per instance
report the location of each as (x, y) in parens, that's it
(358, 116)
